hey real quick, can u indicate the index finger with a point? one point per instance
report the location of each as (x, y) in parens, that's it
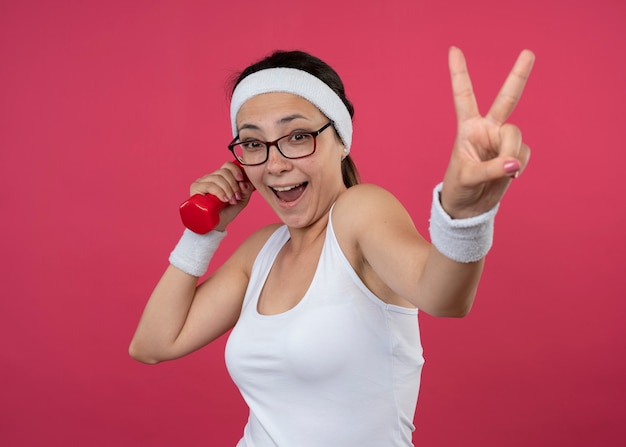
(463, 94)
(511, 91)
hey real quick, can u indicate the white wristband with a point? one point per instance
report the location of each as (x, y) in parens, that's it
(462, 240)
(194, 251)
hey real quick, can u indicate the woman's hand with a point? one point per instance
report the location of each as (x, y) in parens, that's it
(230, 185)
(488, 152)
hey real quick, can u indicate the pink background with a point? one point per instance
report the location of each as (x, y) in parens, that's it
(108, 110)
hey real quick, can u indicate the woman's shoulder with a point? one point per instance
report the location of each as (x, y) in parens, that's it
(252, 245)
(259, 237)
(365, 208)
(365, 200)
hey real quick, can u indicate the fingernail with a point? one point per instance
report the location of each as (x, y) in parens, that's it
(511, 167)
(238, 195)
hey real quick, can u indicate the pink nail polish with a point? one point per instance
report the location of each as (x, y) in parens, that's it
(511, 167)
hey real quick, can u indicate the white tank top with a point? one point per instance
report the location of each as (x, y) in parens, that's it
(340, 369)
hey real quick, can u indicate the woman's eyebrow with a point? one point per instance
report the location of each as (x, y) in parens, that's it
(289, 118)
(248, 126)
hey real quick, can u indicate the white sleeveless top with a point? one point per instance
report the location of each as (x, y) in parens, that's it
(340, 369)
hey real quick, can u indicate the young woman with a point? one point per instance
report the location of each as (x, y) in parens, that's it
(325, 346)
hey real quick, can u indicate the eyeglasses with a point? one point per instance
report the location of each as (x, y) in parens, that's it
(295, 145)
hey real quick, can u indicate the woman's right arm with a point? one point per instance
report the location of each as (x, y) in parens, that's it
(182, 316)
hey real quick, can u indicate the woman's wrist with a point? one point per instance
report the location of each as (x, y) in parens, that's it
(462, 240)
(193, 252)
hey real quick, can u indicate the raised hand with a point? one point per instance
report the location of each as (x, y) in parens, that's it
(488, 152)
(228, 184)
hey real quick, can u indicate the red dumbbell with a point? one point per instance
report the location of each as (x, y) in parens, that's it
(201, 213)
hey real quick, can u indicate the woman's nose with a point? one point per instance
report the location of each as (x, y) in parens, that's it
(276, 162)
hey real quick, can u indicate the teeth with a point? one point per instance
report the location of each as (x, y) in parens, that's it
(285, 188)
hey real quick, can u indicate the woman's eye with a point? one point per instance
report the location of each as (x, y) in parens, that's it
(251, 145)
(299, 137)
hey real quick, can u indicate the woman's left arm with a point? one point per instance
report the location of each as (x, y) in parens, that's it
(381, 242)
(488, 153)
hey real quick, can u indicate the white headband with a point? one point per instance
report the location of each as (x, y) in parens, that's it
(300, 83)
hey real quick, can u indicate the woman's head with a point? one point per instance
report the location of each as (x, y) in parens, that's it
(300, 73)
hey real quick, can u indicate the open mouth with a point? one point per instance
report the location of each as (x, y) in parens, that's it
(290, 193)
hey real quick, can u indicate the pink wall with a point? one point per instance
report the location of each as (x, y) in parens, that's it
(108, 110)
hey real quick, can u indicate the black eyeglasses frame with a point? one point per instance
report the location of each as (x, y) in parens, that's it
(268, 144)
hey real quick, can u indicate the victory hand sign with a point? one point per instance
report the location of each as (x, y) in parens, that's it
(488, 152)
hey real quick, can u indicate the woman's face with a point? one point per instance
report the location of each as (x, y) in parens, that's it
(300, 191)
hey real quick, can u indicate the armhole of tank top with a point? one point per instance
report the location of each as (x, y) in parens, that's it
(357, 280)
